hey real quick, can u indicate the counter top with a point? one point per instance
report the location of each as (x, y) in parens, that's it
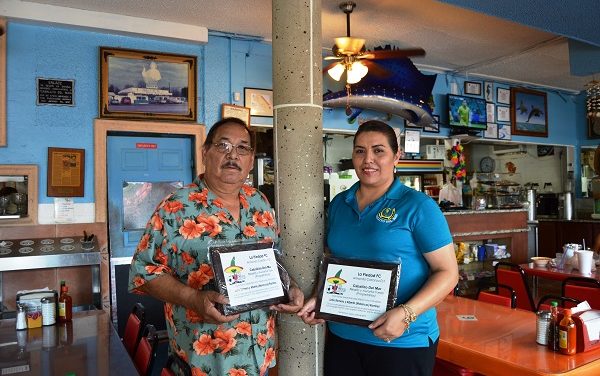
(89, 345)
(487, 211)
(574, 220)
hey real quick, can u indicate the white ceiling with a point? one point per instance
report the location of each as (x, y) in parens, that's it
(455, 39)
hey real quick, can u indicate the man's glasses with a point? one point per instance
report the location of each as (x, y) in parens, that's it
(226, 148)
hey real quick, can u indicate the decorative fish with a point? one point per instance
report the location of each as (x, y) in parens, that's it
(534, 112)
(404, 93)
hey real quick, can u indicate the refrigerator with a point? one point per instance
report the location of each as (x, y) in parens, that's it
(425, 175)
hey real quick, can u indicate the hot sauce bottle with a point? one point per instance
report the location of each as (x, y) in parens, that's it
(567, 336)
(553, 328)
(65, 304)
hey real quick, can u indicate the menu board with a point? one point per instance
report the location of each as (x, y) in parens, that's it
(55, 92)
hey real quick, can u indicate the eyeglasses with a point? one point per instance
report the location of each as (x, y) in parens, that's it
(226, 148)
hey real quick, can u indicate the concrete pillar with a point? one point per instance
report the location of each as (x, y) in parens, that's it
(298, 133)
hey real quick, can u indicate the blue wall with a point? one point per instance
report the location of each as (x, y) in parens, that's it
(225, 65)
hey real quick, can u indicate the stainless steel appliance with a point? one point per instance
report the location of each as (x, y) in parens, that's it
(547, 205)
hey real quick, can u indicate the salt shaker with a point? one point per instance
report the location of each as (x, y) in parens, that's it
(21, 317)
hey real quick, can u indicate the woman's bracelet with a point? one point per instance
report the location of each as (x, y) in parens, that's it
(409, 315)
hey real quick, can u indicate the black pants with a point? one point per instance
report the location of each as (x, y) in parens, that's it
(350, 358)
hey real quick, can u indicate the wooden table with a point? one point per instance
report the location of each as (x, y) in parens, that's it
(502, 342)
(89, 345)
(557, 274)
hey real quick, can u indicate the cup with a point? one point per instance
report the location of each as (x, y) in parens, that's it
(584, 261)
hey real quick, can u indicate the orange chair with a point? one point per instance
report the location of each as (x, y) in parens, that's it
(134, 328)
(183, 366)
(495, 297)
(563, 301)
(512, 275)
(146, 351)
(582, 288)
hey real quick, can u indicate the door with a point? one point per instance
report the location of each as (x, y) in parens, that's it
(141, 171)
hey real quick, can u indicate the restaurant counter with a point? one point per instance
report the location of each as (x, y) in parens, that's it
(89, 345)
(499, 341)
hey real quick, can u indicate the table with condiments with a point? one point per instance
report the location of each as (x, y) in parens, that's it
(502, 341)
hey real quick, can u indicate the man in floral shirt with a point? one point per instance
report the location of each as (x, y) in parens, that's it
(171, 264)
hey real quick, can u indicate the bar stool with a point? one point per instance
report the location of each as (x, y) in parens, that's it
(134, 328)
(582, 288)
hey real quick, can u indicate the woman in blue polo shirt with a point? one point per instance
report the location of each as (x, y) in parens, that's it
(402, 341)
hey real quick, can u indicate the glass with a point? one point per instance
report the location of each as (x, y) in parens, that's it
(226, 148)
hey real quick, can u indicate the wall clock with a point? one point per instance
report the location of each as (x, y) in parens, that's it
(487, 164)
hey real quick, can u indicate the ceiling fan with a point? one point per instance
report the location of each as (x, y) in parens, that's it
(353, 57)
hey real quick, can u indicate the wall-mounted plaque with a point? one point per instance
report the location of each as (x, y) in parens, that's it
(55, 92)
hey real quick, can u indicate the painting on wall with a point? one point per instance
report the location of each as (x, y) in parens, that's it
(528, 112)
(147, 85)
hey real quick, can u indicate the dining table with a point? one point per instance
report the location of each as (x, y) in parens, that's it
(554, 273)
(88, 345)
(497, 340)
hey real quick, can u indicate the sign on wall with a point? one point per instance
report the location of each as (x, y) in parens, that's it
(57, 92)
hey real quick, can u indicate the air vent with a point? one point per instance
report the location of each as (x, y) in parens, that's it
(509, 149)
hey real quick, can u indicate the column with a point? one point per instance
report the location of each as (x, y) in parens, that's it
(298, 133)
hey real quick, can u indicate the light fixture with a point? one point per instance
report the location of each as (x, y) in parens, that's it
(592, 89)
(355, 70)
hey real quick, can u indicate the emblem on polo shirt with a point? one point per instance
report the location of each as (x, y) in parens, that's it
(387, 215)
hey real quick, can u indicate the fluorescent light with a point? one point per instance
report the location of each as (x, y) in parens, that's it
(336, 71)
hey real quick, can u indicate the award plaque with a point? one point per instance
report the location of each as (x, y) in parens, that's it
(249, 275)
(355, 291)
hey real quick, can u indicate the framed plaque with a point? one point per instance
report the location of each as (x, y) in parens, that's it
(249, 275)
(355, 291)
(65, 172)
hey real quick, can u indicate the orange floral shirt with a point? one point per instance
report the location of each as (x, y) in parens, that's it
(176, 241)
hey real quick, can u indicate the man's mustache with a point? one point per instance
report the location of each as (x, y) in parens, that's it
(231, 164)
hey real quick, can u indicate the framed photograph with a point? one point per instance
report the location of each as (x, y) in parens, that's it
(488, 91)
(260, 101)
(503, 113)
(504, 132)
(490, 112)
(491, 131)
(345, 286)
(66, 172)
(529, 112)
(503, 95)
(147, 85)
(434, 127)
(238, 112)
(472, 88)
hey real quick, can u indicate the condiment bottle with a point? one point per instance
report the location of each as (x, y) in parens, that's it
(21, 317)
(567, 336)
(65, 304)
(553, 327)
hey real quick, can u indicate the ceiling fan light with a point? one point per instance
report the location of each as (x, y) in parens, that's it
(356, 72)
(336, 71)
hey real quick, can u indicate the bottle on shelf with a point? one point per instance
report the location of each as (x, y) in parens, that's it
(567, 336)
(65, 304)
(553, 327)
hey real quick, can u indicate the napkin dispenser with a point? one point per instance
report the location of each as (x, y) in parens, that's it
(32, 300)
(586, 321)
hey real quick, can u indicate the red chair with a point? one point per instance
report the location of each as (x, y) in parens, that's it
(183, 366)
(146, 351)
(495, 297)
(445, 368)
(582, 288)
(512, 275)
(563, 302)
(134, 328)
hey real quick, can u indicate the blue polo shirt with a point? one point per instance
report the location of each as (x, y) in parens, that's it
(398, 227)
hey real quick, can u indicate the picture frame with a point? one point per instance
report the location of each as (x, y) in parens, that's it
(260, 101)
(504, 132)
(491, 131)
(472, 88)
(502, 113)
(529, 112)
(503, 95)
(488, 91)
(168, 80)
(66, 172)
(434, 127)
(490, 111)
(235, 111)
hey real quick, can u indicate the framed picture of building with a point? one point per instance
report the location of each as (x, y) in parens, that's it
(147, 85)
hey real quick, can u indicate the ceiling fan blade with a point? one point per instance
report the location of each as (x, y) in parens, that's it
(329, 66)
(376, 69)
(394, 54)
(332, 58)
